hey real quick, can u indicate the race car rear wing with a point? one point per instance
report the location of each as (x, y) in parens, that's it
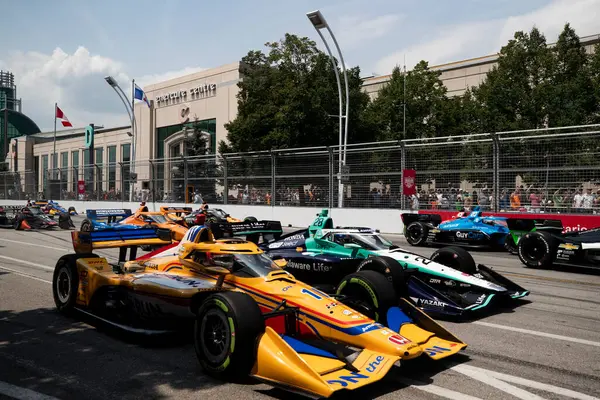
(409, 218)
(252, 230)
(176, 210)
(123, 239)
(107, 213)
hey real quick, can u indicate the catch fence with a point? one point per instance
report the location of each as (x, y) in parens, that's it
(552, 170)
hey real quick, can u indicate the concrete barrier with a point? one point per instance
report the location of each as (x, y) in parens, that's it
(386, 220)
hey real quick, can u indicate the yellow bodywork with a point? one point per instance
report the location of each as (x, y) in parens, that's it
(278, 362)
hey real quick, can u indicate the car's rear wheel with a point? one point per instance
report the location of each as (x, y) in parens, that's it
(537, 250)
(416, 233)
(456, 258)
(65, 282)
(370, 293)
(86, 226)
(226, 332)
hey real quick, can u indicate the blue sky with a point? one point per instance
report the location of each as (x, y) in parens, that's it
(59, 51)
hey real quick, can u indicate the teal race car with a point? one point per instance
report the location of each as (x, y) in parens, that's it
(447, 283)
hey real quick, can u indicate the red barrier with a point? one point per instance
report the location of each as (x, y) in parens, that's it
(570, 222)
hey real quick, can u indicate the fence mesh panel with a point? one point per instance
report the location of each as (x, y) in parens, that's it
(552, 170)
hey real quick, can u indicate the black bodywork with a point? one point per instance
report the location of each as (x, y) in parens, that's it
(545, 248)
(13, 216)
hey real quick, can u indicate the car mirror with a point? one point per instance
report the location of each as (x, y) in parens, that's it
(351, 246)
(217, 270)
(281, 262)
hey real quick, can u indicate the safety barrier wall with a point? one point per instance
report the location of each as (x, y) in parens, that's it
(570, 222)
(386, 220)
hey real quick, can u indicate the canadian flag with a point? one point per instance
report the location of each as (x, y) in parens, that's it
(63, 118)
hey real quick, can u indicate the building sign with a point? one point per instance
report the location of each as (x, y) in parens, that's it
(193, 93)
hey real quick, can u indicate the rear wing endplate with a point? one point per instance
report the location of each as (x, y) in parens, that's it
(409, 218)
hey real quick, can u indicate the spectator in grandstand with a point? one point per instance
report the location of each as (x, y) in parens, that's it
(534, 199)
(515, 200)
(414, 202)
(475, 197)
(484, 200)
(558, 200)
(587, 201)
(468, 202)
(504, 201)
(577, 201)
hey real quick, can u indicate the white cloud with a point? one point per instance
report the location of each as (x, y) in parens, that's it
(76, 82)
(355, 30)
(156, 78)
(479, 38)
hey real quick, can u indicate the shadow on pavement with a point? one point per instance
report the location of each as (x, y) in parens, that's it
(66, 358)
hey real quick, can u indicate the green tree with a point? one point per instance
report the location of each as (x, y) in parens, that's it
(287, 98)
(425, 99)
(515, 94)
(572, 100)
(594, 67)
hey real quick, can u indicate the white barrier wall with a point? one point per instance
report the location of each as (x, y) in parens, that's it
(386, 220)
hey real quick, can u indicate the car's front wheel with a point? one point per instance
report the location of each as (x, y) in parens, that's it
(537, 250)
(86, 226)
(456, 258)
(226, 333)
(370, 293)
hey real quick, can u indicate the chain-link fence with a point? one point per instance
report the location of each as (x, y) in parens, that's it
(552, 170)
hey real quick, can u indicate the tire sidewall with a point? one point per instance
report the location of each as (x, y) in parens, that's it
(386, 266)
(462, 259)
(65, 267)
(86, 226)
(545, 261)
(421, 239)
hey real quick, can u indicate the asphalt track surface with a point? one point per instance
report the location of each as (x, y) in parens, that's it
(547, 347)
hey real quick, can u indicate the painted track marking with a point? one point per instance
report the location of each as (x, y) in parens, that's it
(29, 263)
(21, 393)
(483, 376)
(476, 373)
(38, 245)
(437, 390)
(13, 271)
(537, 333)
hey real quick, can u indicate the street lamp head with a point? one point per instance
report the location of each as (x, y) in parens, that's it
(111, 81)
(129, 134)
(317, 19)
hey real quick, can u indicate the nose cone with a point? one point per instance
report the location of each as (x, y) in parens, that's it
(390, 342)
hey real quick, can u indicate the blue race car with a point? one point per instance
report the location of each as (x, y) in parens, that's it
(114, 219)
(466, 230)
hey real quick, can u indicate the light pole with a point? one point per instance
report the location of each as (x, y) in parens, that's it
(128, 106)
(318, 21)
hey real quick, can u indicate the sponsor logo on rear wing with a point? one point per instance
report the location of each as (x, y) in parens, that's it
(246, 228)
(108, 212)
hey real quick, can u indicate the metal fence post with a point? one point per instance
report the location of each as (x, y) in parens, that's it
(330, 177)
(185, 179)
(122, 179)
(273, 165)
(402, 168)
(152, 183)
(225, 181)
(496, 169)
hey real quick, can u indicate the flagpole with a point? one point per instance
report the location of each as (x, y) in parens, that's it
(133, 138)
(54, 151)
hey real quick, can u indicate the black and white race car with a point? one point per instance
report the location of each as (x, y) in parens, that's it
(543, 249)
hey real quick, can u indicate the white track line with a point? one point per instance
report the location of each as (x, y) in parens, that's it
(437, 390)
(31, 264)
(534, 385)
(24, 275)
(537, 333)
(37, 245)
(484, 377)
(20, 393)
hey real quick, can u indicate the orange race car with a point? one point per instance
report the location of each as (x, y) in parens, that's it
(125, 219)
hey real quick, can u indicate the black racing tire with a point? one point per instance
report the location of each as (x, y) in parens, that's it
(65, 282)
(210, 220)
(370, 293)
(250, 219)
(226, 333)
(86, 226)
(510, 245)
(387, 266)
(416, 233)
(537, 250)
(456, 258)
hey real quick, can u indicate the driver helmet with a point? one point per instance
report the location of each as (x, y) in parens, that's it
(342, 238)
